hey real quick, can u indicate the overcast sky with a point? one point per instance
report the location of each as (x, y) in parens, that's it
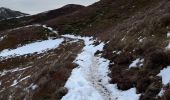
(37, 6)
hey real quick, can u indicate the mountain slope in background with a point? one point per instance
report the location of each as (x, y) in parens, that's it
(135, 36)
(8, 13)
(55, 13)
(39, 18)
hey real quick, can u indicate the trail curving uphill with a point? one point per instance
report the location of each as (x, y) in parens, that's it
(90, 81)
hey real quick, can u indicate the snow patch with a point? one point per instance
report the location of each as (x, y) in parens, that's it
(49, 28)
(137, 63)
(168, 34)
(10, 97)
(141, 39)
(165, 74)
(15, 17)
(32, 87)
(117, 52)
(161, 92)
(15, 82)
(4, 72)
(123, 95)
(2, 37)
(123, 38)
(38, 47)
(35, 25)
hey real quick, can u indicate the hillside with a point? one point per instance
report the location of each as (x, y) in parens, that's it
(111, 50)
(8, 13)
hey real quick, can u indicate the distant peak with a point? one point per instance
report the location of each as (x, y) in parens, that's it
(72, 5)
(5, 8)
(8, 13)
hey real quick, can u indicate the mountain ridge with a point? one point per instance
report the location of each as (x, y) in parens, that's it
(8, 13)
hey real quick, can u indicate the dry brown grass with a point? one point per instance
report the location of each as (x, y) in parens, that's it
(112, 21)
(50, 69)
(25, 35)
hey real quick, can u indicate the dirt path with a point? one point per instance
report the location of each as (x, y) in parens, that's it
(95, 78)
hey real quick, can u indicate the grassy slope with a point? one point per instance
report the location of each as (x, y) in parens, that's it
(113, 20)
